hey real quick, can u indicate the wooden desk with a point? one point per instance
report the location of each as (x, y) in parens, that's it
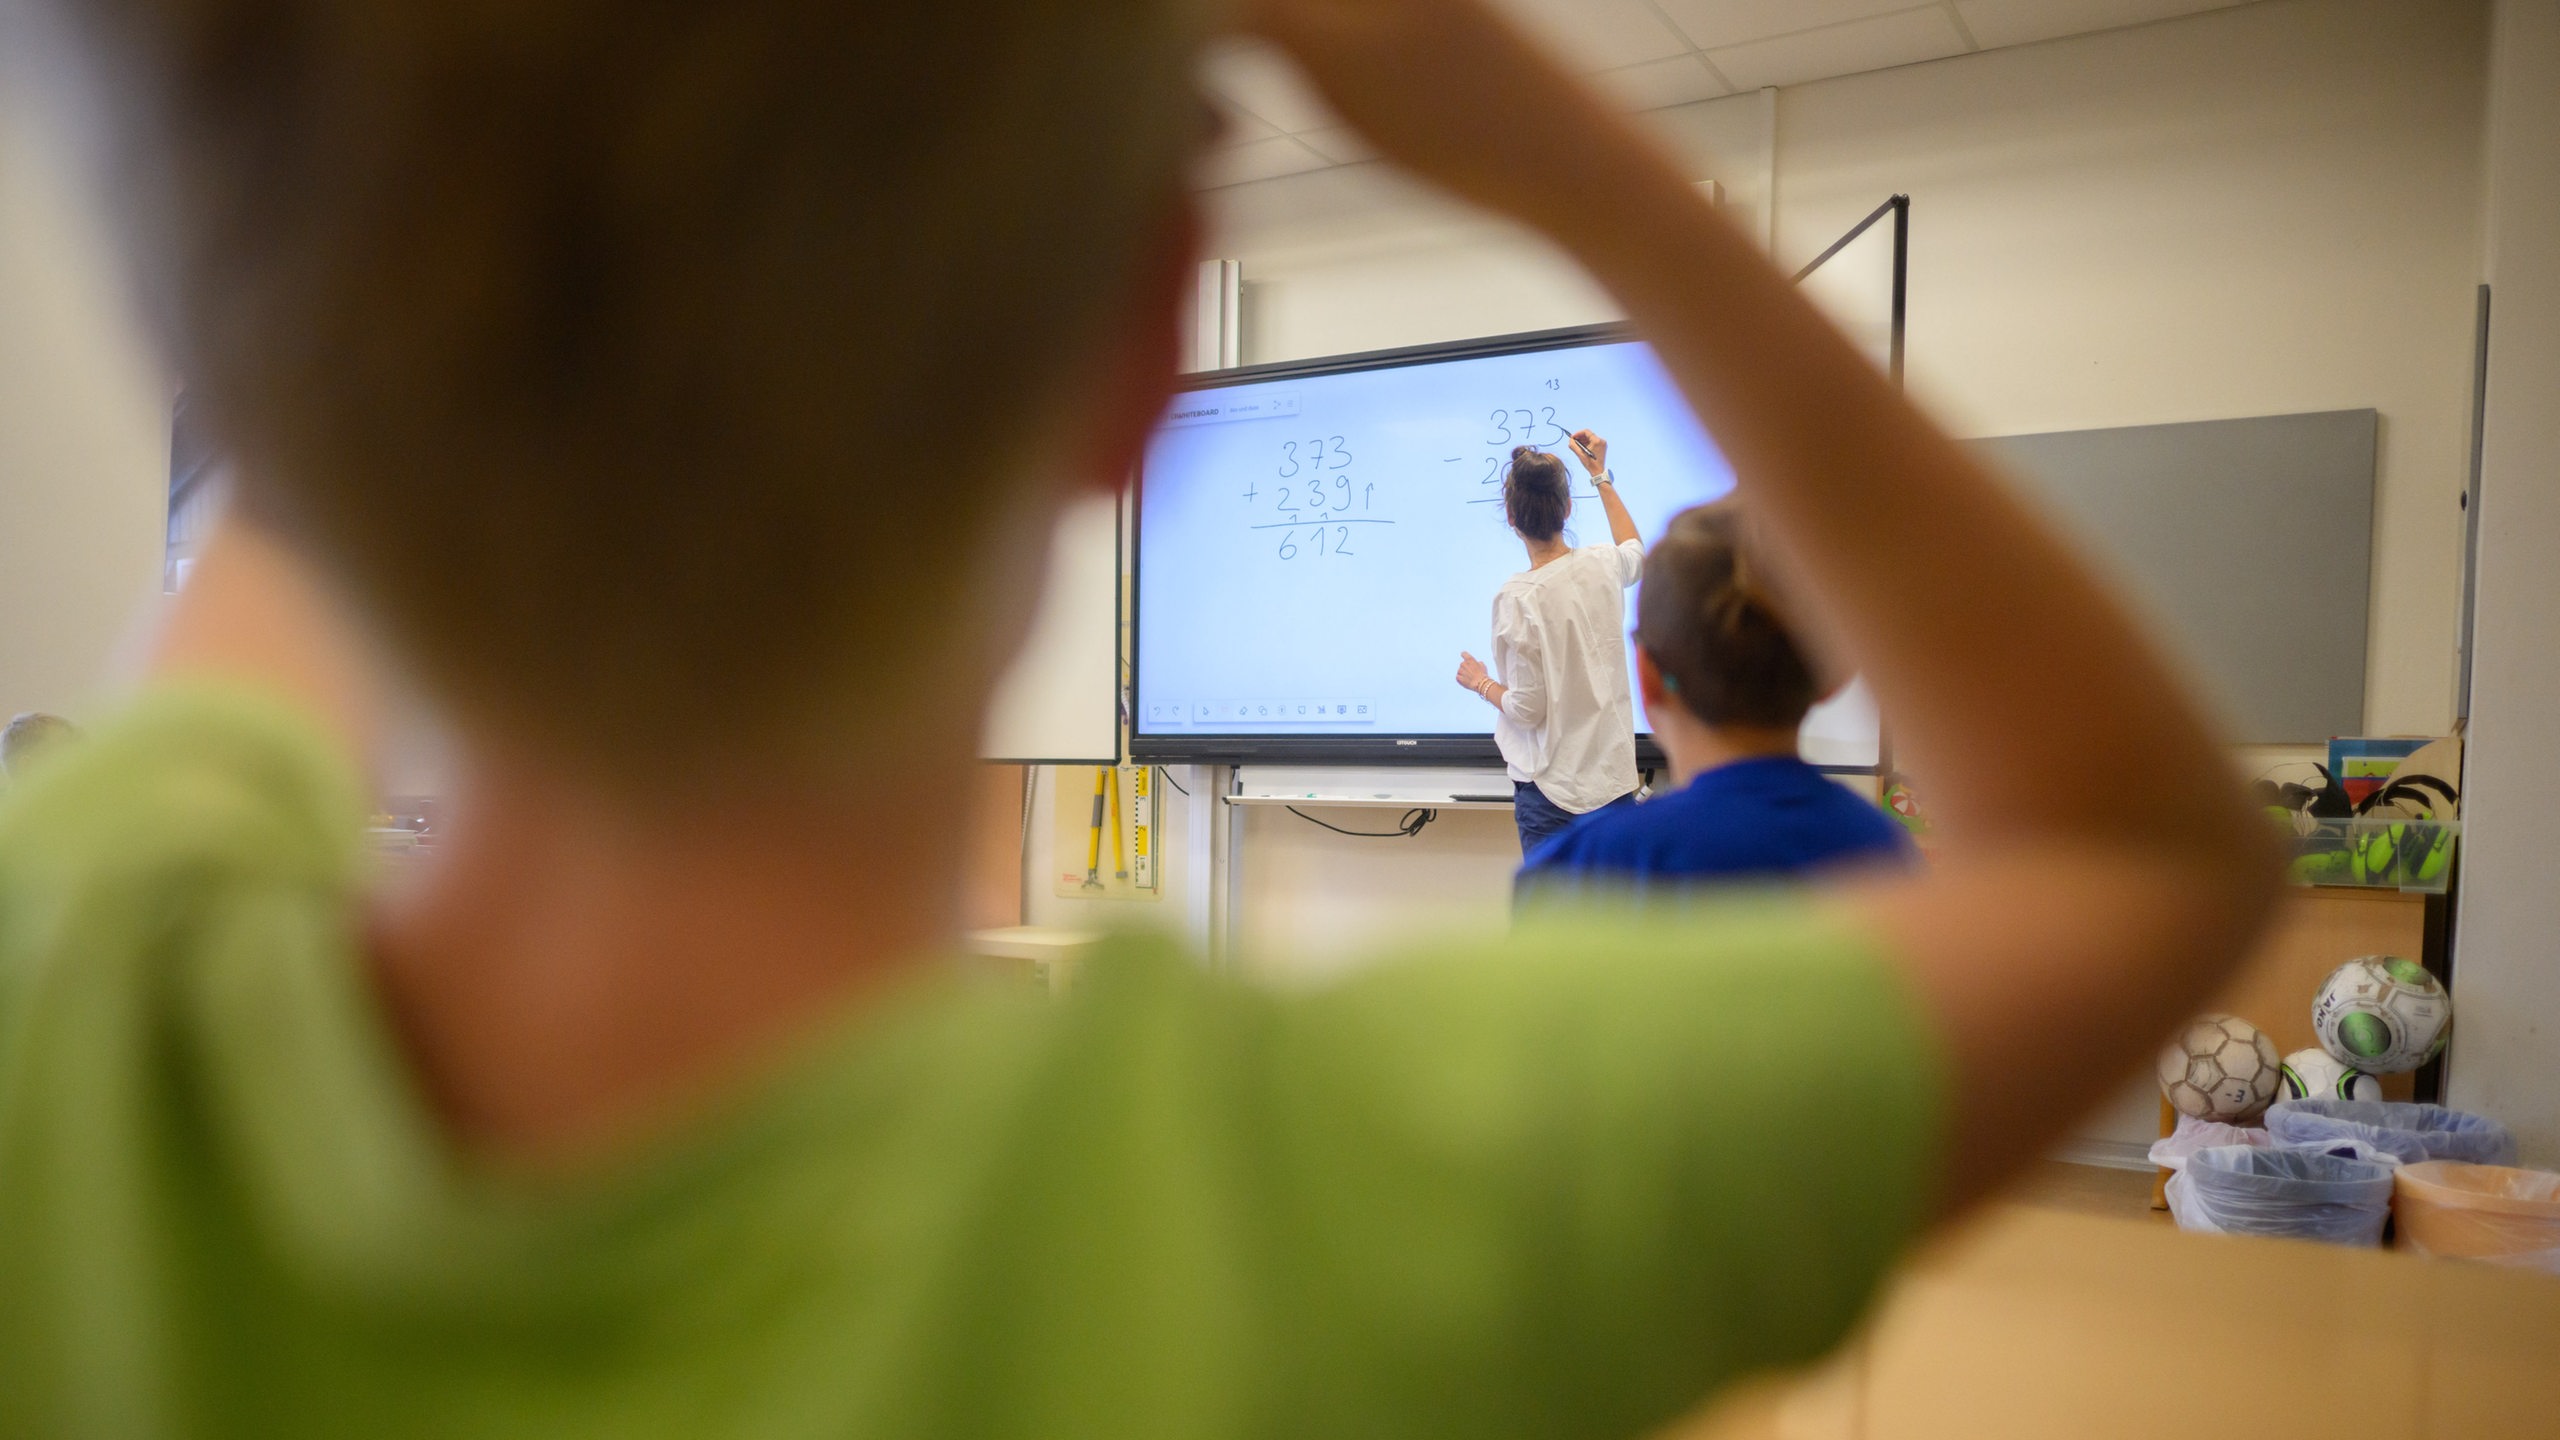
(1046, 953)
(2038, 1325)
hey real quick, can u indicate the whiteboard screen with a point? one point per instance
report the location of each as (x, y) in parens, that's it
(1316, 547)
(1060, 702)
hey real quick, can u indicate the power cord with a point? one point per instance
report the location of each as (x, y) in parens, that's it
(1169, 780)
(1406, 828)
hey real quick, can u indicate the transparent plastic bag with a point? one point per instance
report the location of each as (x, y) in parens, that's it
(2170, 1151)
(2411, 1132)
(2480, 1212)
(2339, 1193)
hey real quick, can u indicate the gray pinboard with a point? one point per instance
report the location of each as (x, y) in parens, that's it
(2248, 542)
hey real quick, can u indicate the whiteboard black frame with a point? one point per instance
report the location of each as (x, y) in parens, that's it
(1390, 749)
(1447, 749)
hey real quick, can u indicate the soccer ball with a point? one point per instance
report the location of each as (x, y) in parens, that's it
(2315, 1074)
(2382, 1015)
(2219, 1067)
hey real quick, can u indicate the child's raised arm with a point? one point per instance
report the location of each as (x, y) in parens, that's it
(2073, 919)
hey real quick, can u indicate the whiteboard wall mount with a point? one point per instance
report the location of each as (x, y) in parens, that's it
(1216, 730)
(1898, 207)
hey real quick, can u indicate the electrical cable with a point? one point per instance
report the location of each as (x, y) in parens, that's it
(1406, 828)
(1169, 780)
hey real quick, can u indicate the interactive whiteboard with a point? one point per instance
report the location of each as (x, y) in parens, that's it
(1317, 543)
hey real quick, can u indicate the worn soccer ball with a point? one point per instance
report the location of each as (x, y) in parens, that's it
(2382, 1015)
(2315, 1074)
(2220, 1067)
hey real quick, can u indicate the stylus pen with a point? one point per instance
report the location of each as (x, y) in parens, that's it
(1585, 449)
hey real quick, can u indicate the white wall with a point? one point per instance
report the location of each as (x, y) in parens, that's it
(2252, 211)
(2506, 1057)
(2267, 209)
(1310, 900)
(2249, 212)
(84, 441)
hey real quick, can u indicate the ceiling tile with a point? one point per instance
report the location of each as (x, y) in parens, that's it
(1664, 83)
(1342, 145)
(1257, 160)
(1237, 127)
(1601, 34)
(1258, 80)
(2021, 22)
(1850, 49)
(1712, 23)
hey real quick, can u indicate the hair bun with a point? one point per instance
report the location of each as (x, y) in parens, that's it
(1536, 496)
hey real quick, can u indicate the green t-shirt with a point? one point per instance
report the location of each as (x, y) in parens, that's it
(1560, 1184)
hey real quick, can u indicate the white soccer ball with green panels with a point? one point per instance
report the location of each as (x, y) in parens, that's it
(2382, 1015)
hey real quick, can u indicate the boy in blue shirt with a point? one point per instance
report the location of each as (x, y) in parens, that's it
(1726, 687)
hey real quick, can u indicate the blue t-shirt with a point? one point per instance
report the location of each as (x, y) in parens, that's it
(1760, 819)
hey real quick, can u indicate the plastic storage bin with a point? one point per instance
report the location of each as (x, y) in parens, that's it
(2407, 1131)
(2480, 1212)
(2338, 1193)
(2375, 854)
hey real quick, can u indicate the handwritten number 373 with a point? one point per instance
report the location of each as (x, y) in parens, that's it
(1526, 431)
(1331, 452)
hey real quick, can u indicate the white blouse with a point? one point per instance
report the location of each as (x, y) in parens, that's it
(1568, 721)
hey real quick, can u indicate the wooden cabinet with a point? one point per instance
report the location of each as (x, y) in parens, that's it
(2315, 931)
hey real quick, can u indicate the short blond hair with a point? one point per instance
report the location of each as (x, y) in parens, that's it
(570, 335)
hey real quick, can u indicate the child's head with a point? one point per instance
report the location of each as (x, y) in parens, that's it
(569, 337)
(1712, 631)
(1536, 496)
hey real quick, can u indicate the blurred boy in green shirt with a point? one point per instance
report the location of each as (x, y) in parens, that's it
(587, 361)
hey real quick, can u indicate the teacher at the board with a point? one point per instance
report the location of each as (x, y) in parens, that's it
(1566, 723)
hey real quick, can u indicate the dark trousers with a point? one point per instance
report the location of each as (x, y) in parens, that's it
(1540, 818)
